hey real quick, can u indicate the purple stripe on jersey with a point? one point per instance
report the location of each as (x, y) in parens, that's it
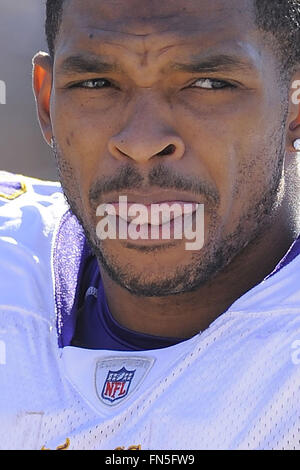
(290, 255)
(10, 187)
(70, 252)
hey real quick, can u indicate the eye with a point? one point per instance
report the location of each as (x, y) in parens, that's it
(211, 84)
(93, 84)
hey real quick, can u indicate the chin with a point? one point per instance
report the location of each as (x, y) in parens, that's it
(155, 279)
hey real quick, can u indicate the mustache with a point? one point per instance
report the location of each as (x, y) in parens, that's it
(128, 177)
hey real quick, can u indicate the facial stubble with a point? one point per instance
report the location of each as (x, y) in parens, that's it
(218, 251)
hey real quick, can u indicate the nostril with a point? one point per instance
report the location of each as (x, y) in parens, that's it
(168, 150)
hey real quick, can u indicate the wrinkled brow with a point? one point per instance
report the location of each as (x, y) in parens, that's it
(94, 64)
(214, 63)
(86, 64)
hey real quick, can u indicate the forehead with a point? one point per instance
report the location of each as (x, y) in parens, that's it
(154, 26)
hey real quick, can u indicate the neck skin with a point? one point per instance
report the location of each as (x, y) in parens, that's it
(184, 315)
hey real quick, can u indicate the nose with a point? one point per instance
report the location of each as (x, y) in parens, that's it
(147, 134)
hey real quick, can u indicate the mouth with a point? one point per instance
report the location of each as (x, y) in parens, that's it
(144, 203)
(149, 223)
(154, 214)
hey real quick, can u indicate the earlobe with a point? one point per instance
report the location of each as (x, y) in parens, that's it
(294, 132)
(296, 145)
(293, 119)
(295, 129)
(42, 85)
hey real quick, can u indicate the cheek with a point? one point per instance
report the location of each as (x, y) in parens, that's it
(212, 152)
(232, 150)
(81, 125)
(82, 139)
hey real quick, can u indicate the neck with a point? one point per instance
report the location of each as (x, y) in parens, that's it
(184, 315)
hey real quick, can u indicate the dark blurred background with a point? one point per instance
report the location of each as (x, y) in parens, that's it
(22, 147)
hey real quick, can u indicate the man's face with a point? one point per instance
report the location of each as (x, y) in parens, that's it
(168, 101)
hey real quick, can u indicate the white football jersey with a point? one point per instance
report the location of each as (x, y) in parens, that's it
(234, 386)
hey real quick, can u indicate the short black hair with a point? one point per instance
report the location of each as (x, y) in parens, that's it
(54, 10)
(278, 17)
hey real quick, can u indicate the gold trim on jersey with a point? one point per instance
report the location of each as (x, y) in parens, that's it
(139, 447)
(64, 446)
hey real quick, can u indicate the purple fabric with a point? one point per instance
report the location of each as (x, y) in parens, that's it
(70, 252)
(290, 255)
(85, 320)
(10, 187)
(97, 329)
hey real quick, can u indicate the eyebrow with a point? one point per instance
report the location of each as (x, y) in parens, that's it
(87, 64)
(94, 64)
(216, 63)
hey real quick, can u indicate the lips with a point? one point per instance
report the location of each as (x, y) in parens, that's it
(156, 214)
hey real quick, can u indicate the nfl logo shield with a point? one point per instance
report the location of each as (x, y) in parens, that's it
(117, 384)
(118, 377)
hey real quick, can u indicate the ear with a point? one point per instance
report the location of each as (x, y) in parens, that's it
(294, 113)
(42, 85)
